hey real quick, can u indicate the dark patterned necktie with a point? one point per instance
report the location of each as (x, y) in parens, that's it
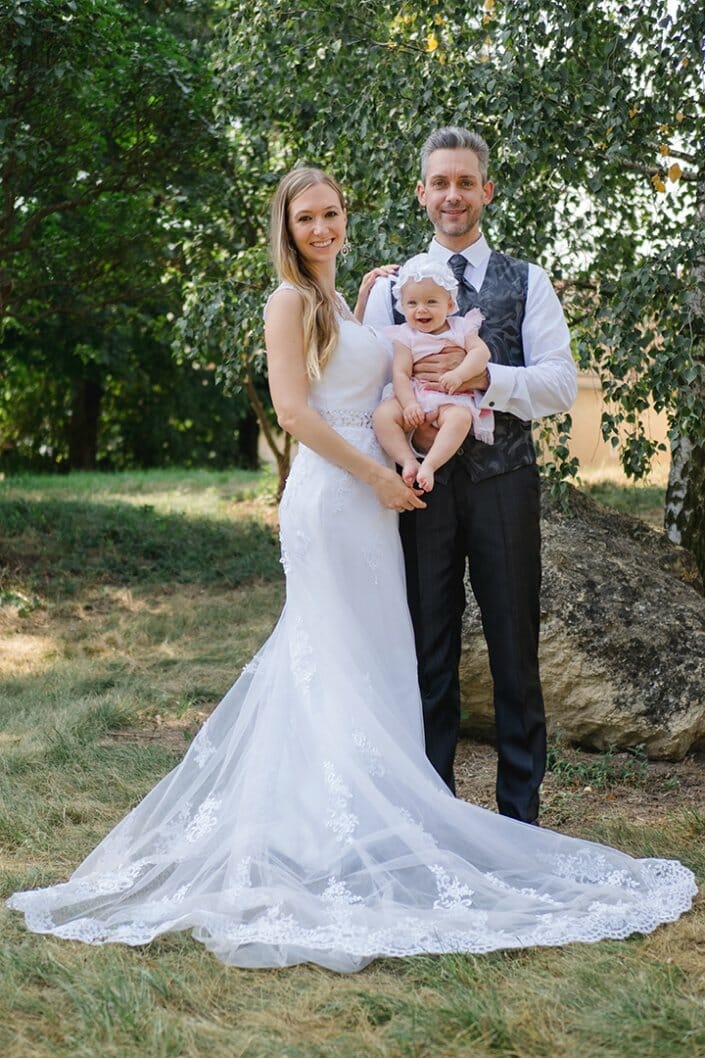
(467, 295)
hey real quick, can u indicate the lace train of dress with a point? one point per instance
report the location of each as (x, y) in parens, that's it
(305, 823)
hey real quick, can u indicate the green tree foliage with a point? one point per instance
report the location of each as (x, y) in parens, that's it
(594, 114)
(109, 160)
(98, 101)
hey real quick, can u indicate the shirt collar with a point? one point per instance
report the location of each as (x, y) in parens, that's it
(475, 254)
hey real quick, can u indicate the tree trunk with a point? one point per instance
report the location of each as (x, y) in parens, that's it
(283, 454)
(677, 488)
(684, 517)
(83, 425)
(247, 437)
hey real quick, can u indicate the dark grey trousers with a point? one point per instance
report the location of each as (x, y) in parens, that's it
(494, 526)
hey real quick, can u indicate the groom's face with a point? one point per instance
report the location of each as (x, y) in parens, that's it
(454, 196)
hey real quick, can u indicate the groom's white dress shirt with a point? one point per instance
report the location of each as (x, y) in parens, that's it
(548, 382)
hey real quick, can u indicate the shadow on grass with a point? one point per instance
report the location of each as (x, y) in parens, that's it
(53, 546)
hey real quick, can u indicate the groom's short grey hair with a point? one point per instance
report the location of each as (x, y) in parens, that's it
(453, 137)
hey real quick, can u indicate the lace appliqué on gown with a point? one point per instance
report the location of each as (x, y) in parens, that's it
(339, 819)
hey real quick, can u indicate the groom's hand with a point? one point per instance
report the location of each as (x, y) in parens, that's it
(431, 368)
(424, 436)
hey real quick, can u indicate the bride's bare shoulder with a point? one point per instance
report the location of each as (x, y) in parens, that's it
(285, 300)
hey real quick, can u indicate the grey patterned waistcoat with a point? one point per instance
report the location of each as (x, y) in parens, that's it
(502, 301)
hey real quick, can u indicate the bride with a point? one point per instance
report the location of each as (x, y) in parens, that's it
(305, 823)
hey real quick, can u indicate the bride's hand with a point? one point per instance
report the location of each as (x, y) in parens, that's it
(393, 494)
(368, 281)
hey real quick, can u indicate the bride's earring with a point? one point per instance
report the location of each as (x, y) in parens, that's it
(345, 248)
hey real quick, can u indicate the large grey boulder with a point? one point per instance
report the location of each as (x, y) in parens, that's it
(622, 636)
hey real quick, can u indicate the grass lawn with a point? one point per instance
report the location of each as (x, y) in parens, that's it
(128, 604)
(642, 500)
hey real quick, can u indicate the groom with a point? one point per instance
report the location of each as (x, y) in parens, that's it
(484, 508)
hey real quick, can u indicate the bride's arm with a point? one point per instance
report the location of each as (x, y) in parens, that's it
(288, 386)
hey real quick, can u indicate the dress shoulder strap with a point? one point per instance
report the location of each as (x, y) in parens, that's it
(282, 286)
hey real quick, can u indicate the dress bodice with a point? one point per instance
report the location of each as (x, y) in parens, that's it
(353, 378)
(358, 368)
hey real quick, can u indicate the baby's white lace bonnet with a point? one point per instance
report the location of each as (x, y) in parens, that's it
(424, 266)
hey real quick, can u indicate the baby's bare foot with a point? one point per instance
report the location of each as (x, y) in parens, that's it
(409, 470)
(425, 477)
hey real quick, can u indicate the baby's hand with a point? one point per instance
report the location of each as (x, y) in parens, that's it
(413, 415)
(452, 381)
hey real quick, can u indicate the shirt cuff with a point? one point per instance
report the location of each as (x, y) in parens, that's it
(499, 392)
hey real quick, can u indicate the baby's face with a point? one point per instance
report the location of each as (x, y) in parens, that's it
(426, 305)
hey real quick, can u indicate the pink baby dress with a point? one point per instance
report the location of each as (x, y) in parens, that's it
(422, 345)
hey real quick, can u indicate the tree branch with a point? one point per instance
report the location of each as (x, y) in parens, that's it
(262, 418)
(657, 170)
(56, 207)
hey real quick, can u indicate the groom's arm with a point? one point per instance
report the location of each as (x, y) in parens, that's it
(378, 311)
(547, 383)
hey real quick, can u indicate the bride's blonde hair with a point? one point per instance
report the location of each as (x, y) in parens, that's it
(320, 319)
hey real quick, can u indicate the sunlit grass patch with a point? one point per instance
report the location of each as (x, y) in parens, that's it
(21, 653)
(195, 492)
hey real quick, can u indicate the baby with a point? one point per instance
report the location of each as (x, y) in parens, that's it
(425, 289)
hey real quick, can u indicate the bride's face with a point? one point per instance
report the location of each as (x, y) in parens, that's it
(317, 222)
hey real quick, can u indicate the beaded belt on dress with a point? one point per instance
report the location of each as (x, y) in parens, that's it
(344, 417)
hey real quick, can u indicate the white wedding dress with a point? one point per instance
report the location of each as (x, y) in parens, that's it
(304, 823)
